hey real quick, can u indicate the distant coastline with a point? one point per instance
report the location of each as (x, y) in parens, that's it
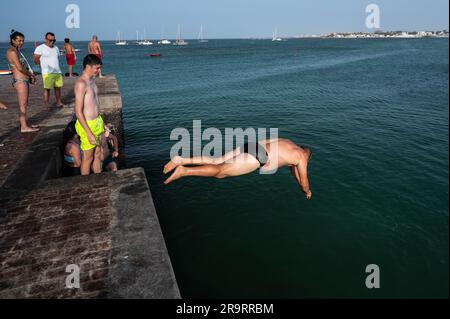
(383, 34)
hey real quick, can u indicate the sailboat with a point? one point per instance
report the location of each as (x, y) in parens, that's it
(275, 36)
(163, 41)
(138, 42)
(145, 41)
(200, 36)
(118, 42)
(180, 41)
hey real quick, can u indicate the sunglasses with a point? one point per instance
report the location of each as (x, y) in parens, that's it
(51, 40)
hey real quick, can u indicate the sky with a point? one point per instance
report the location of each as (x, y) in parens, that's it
(220, 18)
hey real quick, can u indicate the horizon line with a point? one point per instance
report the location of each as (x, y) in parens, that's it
(248, 37)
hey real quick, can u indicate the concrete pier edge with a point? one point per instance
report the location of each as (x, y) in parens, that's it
(106, 224)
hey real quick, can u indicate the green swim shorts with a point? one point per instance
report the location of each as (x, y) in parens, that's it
(97, 128)
(52, 81)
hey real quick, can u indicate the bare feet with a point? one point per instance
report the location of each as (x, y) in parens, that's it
(60, 105)
(174, 163)
(3, 106)
(29, 130)
(176, 175)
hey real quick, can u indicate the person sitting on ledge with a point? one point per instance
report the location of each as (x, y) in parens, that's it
(72, 151)
(108, 141)
(267, 155)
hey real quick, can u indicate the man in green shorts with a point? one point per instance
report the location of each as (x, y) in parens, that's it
(89, 124)
(47, 57)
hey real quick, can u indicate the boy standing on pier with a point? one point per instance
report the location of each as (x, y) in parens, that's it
(89, 124)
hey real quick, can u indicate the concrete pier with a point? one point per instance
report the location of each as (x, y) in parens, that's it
(105, 224)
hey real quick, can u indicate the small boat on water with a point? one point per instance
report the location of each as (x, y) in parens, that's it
(179, 40)
(120, 42)
(144, 41)
(200, 36)
(275, 37)
(153, 55)
(163, 40)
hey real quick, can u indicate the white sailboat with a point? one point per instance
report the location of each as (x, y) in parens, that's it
(138, 42)
(145, 41)
(119, 42)
(179, 41)
(163, 40)
(275, 37)
(200, 36)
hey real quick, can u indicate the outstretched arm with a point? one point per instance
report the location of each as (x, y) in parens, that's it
(115, 144)
(301, 176)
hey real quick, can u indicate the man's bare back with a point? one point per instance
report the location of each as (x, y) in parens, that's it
(94, 47)
(69, 48)
(283, 152)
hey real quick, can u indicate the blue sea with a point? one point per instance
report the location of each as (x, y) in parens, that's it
(375, 113)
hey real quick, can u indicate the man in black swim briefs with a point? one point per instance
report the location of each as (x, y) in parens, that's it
(268, 155)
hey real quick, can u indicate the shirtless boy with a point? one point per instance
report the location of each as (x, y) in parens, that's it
(89, 124)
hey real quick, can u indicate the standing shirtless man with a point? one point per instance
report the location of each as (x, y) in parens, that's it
(95, 48)
(89, 124)
(268, 156)
(71, 57)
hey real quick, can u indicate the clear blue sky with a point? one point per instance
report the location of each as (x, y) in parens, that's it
(220, 18)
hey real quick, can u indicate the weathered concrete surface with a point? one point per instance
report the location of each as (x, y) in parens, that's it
(106, 224)
(141, 260)
(16, 144)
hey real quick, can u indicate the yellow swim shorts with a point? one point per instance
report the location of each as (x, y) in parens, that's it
(52, 81)
(97, 128)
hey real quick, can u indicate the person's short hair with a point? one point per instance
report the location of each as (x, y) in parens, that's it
(94, 37)
(49, 34)
(91, 59)
(14, 35)
(67, 40)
